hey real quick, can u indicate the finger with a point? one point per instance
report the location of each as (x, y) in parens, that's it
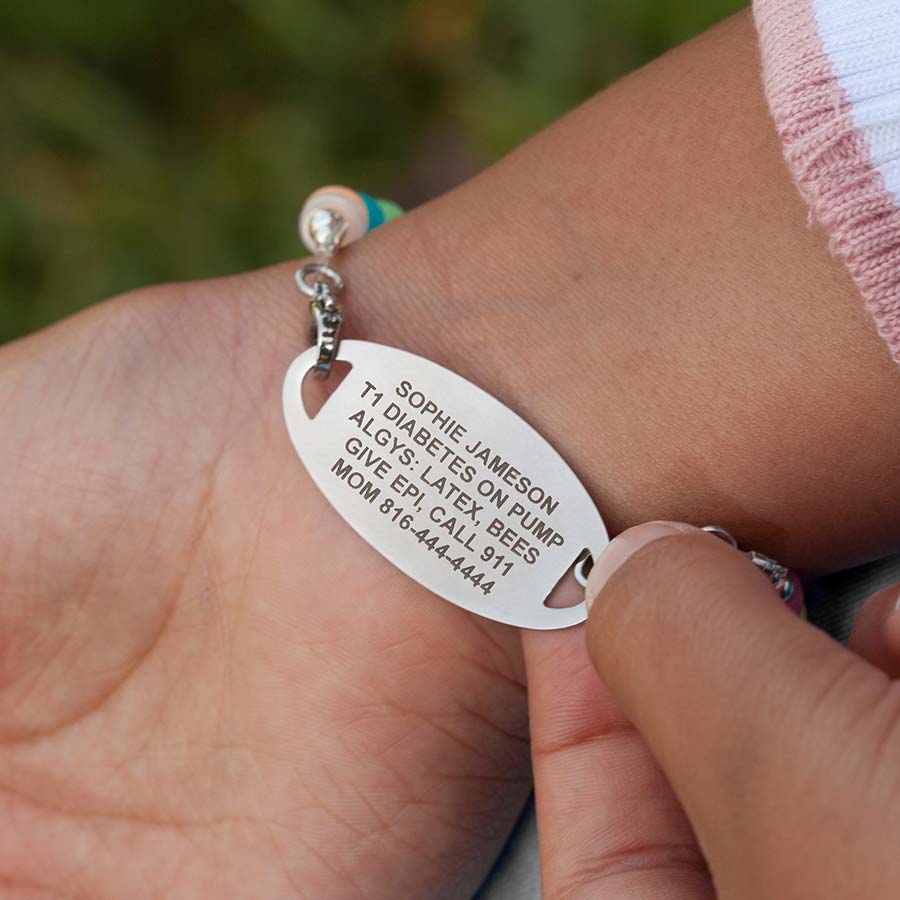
(780, 743)
(876, 631)
(609, 823)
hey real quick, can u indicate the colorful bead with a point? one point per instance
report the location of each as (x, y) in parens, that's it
(361, 213)
(795, 600)
(390, 210)
(376, 217)
(346, 203)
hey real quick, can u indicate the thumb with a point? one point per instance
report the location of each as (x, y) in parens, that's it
(781, 745)
(876, 631)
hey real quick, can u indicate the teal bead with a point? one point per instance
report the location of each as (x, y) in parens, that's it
(376, 216)
(380, 211)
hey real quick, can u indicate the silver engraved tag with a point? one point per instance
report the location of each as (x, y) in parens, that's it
(454, 488)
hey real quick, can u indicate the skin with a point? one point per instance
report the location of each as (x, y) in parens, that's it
(726, 786)
(205, 673)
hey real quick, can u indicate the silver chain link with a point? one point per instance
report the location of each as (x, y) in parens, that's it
(320, 282)
(778, 574)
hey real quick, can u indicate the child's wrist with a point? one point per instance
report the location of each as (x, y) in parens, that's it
(649, 298)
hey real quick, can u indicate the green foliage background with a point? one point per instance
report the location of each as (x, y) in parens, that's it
(150, 140)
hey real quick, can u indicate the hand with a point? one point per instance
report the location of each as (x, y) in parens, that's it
(209, 685)
(728, 749)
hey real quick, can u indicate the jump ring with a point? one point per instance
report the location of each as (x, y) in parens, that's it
(313, 273)
(722, 534)
(579, 573)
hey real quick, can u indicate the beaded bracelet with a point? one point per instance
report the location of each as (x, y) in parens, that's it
(450, 485)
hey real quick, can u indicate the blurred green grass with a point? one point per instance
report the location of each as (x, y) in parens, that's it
(154, 140)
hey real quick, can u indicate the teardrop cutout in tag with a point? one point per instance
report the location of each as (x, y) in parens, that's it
(450, 485)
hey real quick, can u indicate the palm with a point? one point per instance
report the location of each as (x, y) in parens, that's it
(208, 685)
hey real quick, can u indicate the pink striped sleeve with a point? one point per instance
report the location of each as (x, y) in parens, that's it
(832, 78)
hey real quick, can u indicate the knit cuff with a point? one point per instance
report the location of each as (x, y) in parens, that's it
(832, 78)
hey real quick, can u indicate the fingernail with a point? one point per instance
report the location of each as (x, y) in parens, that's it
(623, 547)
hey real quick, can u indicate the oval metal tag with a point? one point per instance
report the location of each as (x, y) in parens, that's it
(454, 488)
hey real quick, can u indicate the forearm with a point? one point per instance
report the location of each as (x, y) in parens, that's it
(640, 283)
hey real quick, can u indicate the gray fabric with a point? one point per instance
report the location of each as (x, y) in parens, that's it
(832, 604)
(517, 873)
